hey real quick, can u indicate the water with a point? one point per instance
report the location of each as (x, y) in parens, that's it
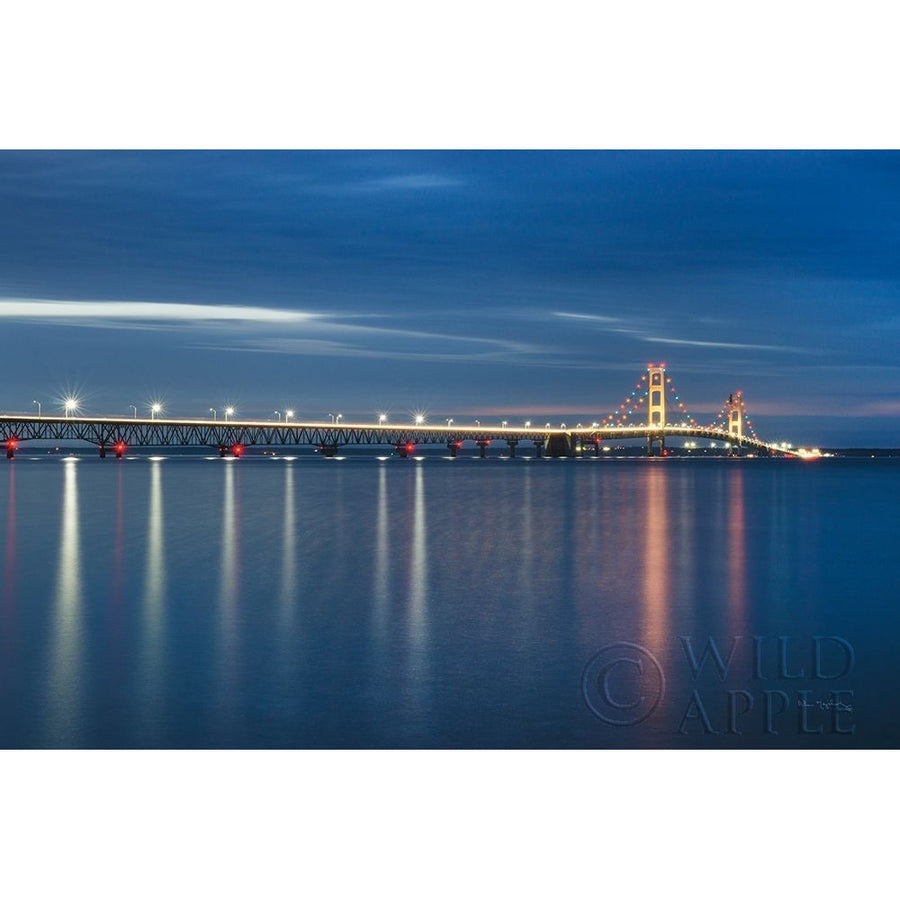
(200, 602)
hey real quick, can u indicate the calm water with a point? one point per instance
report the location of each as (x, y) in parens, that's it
(198, 602)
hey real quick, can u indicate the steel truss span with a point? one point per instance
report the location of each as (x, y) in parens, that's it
(118, 434)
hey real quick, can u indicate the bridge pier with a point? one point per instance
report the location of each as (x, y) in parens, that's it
(103, 451)
(559, 445)
(482, 446)
(512, 443)
(653, 439)
(11, 445)
(538, 448)
(222, 450)
(328, 450)
(453, 447)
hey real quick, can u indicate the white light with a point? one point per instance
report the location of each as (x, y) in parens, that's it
(420, 419)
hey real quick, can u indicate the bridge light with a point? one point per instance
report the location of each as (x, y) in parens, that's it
(288, 414)
(12, 443)
(229, 411)
(420, 419)
(382, 418)
(71, 405)
(237, 450)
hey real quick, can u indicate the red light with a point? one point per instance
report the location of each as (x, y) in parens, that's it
(458, 444)
(12, 443)
(410, 447)
(237, 449)
(120, 447)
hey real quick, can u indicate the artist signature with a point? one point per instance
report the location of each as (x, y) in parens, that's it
(825, 704)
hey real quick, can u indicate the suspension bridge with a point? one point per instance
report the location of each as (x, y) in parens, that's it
(653, 412)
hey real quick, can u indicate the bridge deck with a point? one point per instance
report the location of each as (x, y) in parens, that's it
(107, 432)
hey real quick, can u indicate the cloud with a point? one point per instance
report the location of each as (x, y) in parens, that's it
(99, 311)
(638, 330)
(588, 318)
(723, 345)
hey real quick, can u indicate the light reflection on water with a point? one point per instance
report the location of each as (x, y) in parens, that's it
(66, 645)
(193, 602)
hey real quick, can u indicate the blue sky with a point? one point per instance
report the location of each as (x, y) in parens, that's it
(498, 284)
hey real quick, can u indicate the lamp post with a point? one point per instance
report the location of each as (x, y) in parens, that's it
(38, 402)
(278, 413)
(215, 414)
(156, 408)
(288, 413)
(382, 418)
(132, 406)
(71, 405)
(229, 411)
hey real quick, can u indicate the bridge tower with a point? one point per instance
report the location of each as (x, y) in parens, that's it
(656, 407)
(735, 410)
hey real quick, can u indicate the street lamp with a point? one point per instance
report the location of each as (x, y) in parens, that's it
(382, 418)
(154, 410)
(132, 406)
(528, 424)
(338, 418)
(503, 423)
(288, 413)
(215, 414)
(71, 405)
(278, 413)
(38, 402)
(420, 419)
(449, 422)
(229, 411)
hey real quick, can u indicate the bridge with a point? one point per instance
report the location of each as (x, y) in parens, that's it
(653, 394)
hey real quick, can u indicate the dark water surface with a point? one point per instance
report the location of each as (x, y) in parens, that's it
(196, 602)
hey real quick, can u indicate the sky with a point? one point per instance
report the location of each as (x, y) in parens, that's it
(497, 285)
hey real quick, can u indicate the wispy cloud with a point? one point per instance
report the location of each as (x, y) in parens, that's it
(639, 330)
(128, 311)
(586, 317)
(723, 345)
